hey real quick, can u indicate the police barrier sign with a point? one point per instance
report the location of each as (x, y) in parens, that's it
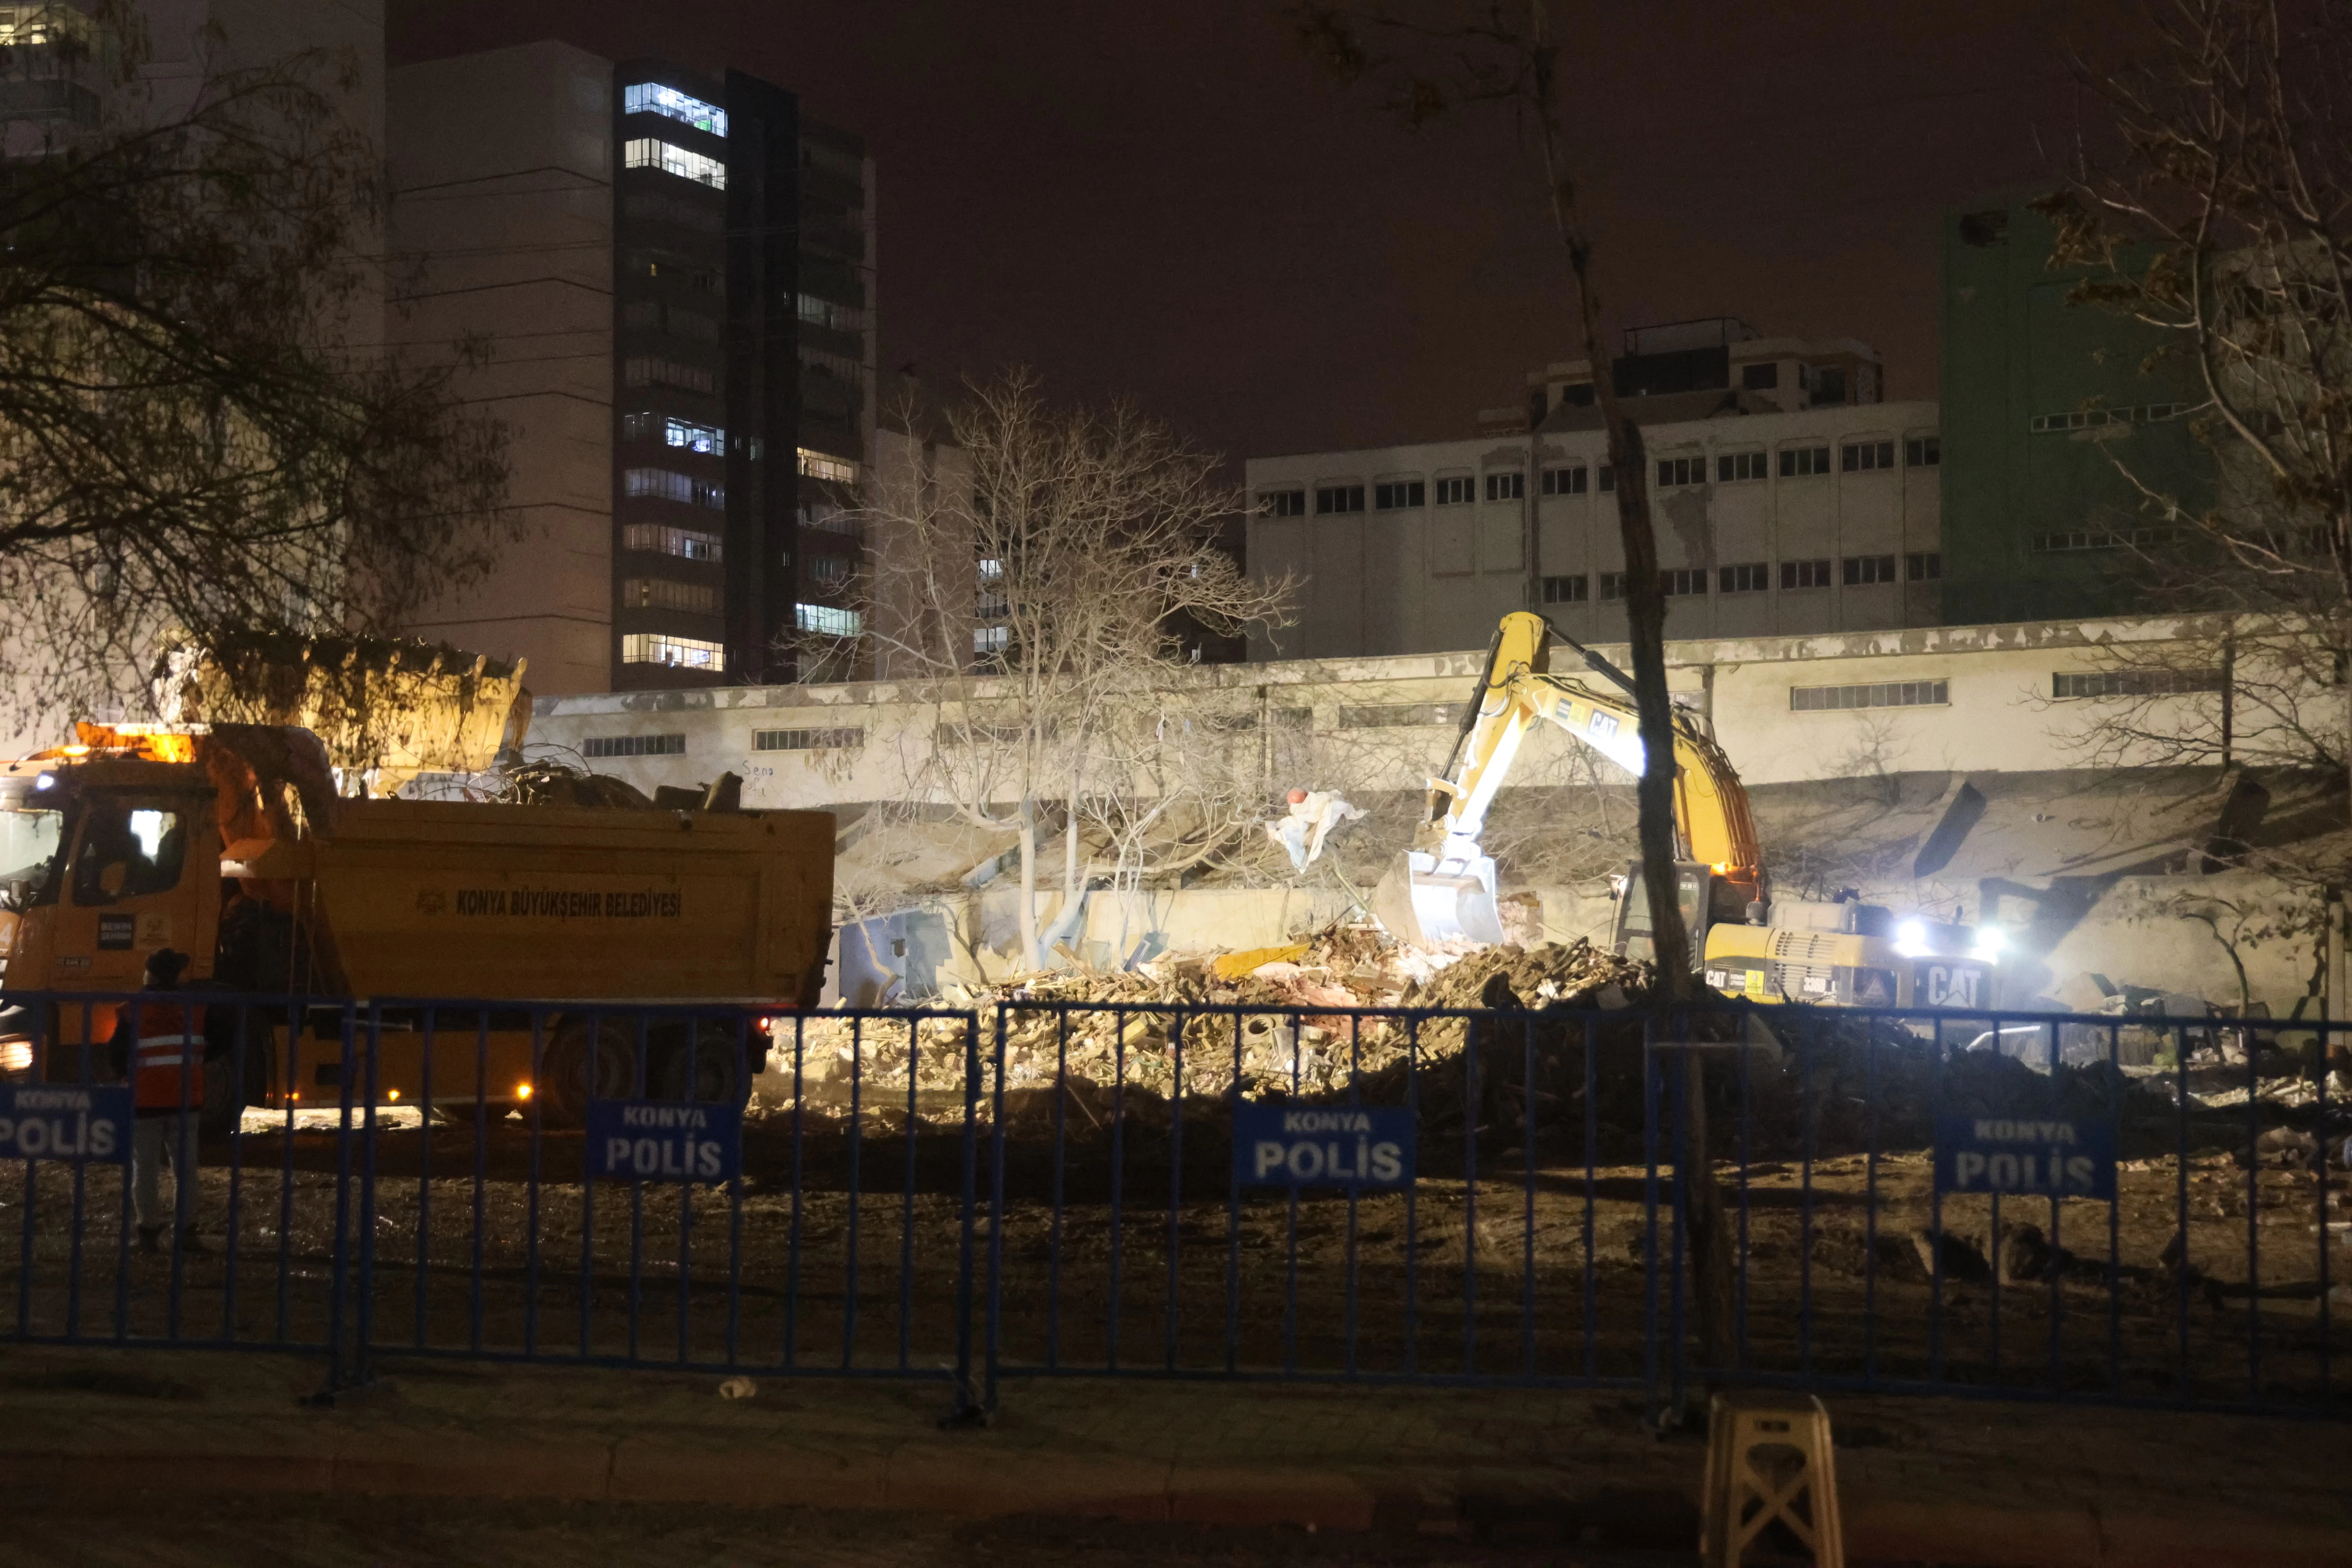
(66, 1122)
(1323, 1146)
(660, 1141)
(2025, 1155)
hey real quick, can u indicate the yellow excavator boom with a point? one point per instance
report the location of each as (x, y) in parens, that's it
(1445, 885)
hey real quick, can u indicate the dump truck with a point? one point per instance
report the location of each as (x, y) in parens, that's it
(231, 842)
(1743, 940)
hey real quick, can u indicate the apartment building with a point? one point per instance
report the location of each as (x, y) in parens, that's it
(1787, 499)
(668, 275)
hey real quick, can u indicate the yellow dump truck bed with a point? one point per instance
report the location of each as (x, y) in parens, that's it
(453, 898)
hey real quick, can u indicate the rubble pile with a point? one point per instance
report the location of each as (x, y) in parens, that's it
(1850, 1084)
(1268, 1025)
(1817, 1081)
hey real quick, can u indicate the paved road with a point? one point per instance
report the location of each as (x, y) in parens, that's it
(266, 1532)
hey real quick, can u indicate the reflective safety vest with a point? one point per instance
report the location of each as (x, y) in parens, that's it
(170, 1045)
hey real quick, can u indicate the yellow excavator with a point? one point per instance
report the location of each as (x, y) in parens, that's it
(1746, 945)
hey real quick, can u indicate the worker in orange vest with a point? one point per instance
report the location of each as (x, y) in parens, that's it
(163, 1046)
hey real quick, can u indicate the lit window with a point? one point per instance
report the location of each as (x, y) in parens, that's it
(817, 466)
(680, 542)
(644, 152)
(694, 437)
(663, 485)
(672, 432)
(32, 26)
(661, 647)
(827, 620)
(663, 594)
(652, 98)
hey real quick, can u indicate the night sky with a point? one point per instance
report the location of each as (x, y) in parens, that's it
(1168, 201)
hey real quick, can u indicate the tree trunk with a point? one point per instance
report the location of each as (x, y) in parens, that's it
(1646, 615)
(1031, 954)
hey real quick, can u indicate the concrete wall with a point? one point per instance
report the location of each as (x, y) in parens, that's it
(502, 214)
(1997, 715)
(1422, 579)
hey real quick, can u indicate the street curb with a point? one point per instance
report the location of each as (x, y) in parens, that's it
(928, 1475)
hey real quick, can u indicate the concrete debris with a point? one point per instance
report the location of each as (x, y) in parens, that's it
(1082, 1049)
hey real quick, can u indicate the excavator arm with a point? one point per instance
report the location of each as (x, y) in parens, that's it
(1445, 885)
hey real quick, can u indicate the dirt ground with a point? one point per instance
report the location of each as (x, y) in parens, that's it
(842, 1246)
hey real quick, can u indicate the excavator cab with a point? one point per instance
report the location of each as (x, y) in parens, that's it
(1695, 890)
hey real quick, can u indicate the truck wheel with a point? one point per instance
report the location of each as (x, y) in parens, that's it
(716, 1075)
(586, 1062)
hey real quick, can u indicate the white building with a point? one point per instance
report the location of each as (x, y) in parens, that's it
(1788, 501)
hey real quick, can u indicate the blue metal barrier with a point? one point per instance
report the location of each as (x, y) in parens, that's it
(1890, 1218)
(1219, 1190)
(468, 1214)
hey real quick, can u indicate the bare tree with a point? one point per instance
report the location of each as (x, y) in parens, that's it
(1436, 60)
(2219, 212)
(200, 438)
(1039, 607)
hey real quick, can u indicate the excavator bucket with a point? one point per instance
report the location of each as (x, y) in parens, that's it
(1421, 905)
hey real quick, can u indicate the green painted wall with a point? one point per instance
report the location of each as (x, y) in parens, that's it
(2013, 349)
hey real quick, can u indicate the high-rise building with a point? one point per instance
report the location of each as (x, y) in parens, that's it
(668, 273)
(2054, 415)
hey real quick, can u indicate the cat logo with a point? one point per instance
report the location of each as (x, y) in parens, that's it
(432, 902)
(1952, 985)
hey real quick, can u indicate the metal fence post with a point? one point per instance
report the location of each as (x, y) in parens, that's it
(972, 1405)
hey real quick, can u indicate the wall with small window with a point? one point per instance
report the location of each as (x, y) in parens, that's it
(1824, 519)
